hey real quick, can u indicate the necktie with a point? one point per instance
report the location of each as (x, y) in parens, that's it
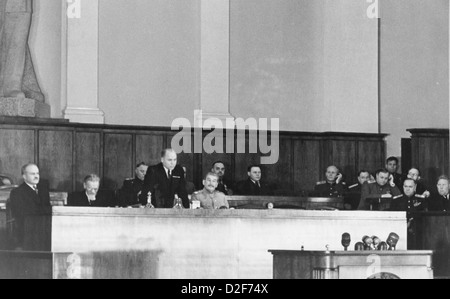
(36, 189)
(169, 175)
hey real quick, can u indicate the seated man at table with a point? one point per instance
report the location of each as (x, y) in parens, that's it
(30, 198)
(253, 185)
(422, 188)
(409, 201)
(439, 200)
(381, 188)
(209, 197)
(334, 186)
(128, 195)
(353, 195)
(91, 196)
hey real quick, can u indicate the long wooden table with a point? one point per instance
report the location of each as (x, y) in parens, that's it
(223, 244)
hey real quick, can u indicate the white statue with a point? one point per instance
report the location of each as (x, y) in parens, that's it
(17, 76)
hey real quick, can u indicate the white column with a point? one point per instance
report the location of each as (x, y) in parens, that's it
(81, 57)
(215, 59)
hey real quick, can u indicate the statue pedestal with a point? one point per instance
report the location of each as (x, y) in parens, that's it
(23, 107)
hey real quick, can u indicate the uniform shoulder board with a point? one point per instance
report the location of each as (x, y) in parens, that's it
(420, 196)
(353, 186)
(344, 183)
(220, 193)
(129, 179)
(321, 183)
(197, 192)
(398, 196)
(371, 182)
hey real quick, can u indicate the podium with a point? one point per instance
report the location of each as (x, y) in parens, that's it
(352, 265)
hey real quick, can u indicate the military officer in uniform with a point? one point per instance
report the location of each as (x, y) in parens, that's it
(353, 196)
(381, 188)
(421, 188)
(333, 186)
(440, 200)
(209, 197)
(409, 201)
(131, 189)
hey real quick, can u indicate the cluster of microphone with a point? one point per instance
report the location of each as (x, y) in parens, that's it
(372, 243)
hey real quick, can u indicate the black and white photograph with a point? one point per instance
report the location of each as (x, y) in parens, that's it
(224, 146)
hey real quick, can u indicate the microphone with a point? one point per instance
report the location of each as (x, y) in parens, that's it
(392, 241)
(359, 246)
(368, 243)
(346, 240)
(376, 242)
(383, 246)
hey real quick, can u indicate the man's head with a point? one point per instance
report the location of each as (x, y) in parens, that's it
(414, 174)
(5, 181)
(169, 159)
(392, 165)
(254, 173)
(443, 185)
(332, 173)
(382, 177)
(91, 184)
(211, 182)
(219, 168)
(141, 171)
(30, 174)
(409, 187)
(363, 176)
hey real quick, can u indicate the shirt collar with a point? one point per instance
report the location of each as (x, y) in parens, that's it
(34, 187)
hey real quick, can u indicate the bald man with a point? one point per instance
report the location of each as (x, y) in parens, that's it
(164, 181)
(30, 198)
(333, 186)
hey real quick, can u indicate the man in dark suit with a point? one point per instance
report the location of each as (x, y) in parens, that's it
(91, 196)
(29, 199)
(440, 200)
(128, 195)
(164, 181)
(219, 168)
(253, 185)
(394, 176)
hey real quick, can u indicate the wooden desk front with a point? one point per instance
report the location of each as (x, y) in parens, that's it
(223, 244)
(352, 265)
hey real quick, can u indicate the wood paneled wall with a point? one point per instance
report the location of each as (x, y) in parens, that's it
(430, 152)
(67, 152)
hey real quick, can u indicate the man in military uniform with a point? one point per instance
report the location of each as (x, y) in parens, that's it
(333, 186)
(394, 176)
(381, 188)
(440, 200)
(219, 168)
(17, 76)
(131, 189)
(409, 201)
(209, 197)
(353, 196)
(421, 188)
